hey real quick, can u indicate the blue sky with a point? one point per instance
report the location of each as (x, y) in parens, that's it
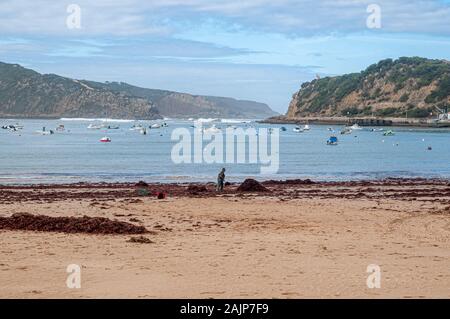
(249, 49)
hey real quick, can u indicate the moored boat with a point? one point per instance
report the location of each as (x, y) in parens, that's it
(212, 130)
(333, 140)
(95, 126)
(356, 127)
(389, 133)
(136, 127)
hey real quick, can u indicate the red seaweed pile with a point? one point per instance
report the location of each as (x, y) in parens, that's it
(85, 224)
(195, 189)
(251, 185)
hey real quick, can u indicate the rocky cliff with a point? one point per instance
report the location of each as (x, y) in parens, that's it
(183, 105)
(413, 87)
(28, 94)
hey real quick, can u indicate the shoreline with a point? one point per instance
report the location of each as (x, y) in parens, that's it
(233, 181)
(363, 121)
(281, 119)
(286, 181)
(393, 188)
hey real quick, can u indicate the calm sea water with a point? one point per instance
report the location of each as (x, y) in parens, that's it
(77, 155)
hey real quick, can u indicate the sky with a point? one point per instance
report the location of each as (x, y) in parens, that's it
(261, 50)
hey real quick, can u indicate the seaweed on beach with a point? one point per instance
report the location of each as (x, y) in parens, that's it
(251, 185)
(85, 224)
(140, 240)
(195, 189)
(141, 184)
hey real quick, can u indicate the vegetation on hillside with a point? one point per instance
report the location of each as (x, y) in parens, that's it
(406, 86)
(26, 93)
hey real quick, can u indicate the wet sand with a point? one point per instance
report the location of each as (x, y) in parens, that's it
(298, 240)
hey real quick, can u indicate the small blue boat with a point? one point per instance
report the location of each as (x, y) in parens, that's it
(333, 140)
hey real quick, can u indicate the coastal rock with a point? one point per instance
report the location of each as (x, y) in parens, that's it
(407, 87)
(25, 93)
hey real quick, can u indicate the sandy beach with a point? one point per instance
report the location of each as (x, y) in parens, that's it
(298, 240)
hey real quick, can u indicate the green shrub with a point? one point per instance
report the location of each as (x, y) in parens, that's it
(404, 98)
(350, 111)
(419, 113)
(441, 92)
(390, 111)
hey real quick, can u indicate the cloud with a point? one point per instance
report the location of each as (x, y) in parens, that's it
(307, 17)
(173, 48)
(251, 49)
(102, 17)
(120, 48)
(161, 17)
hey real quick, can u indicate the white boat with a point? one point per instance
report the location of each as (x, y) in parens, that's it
(356, 127)
(306, 128)
(137, 127)
(155, 126)
(45, 132)
(212, 130)
(143, 131)
(298, 129)
(95, 126)
(61, 128)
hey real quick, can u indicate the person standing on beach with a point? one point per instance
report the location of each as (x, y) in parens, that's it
(220, 180)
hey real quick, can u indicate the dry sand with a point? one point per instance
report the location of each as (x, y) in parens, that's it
(298, 241)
